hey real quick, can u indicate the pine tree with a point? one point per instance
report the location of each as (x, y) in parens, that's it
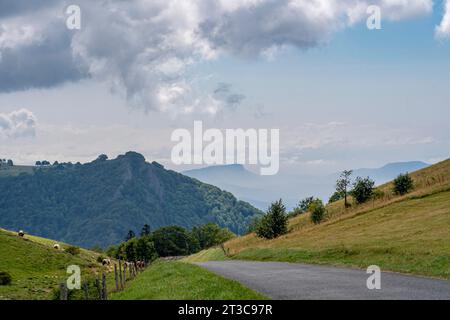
(145, 230)
(130, 235)
(274, 223)
(343, 183)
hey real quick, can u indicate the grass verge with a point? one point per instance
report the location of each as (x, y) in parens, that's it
(173, 280)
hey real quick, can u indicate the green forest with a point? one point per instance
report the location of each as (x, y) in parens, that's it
(96, 203)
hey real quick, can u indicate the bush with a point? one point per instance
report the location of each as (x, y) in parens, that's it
(5, 278)
(336, 197)
(73, 250)
(317, 210)
(403, 184)
(274, 223)
(113, 251)
(210, 235)
(145, 249)
(100, 259)
(174, 241)
(363, 189)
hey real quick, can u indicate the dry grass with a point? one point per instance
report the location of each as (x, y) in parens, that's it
(407, 234)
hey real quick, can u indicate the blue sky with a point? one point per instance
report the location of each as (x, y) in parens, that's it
(351, 98)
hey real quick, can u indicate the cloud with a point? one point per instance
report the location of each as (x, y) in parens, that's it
(146, 50)
(19, 123)
(224, 94)
(443, 29)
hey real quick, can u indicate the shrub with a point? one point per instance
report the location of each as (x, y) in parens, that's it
(363, 189)
(100, 259)
(378, 194)
(5, 278)
(403, 184)
(174, 241)
(210, 235)
(336, 197)
(274, 223)
(73, 250)
(317, 210)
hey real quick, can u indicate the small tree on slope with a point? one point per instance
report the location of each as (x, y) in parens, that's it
(274, 223)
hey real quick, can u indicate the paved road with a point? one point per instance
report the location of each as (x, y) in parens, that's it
(280, 280)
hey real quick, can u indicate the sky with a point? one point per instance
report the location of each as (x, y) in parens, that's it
(342, 96)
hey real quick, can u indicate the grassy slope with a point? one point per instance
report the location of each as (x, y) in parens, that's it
(178, 281)
(37, 268)
(407, 234)
(213, 254)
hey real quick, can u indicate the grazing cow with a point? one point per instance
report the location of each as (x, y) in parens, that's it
(21, 233)
(56, 246)
(106, 262)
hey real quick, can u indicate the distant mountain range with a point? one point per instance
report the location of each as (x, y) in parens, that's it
(260, 191)
(98, 202)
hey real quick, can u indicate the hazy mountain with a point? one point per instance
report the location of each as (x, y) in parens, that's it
(98, 202)
(390, 171)
(260, 191)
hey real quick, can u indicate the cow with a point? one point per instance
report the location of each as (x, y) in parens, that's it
(106, 262)
(21, 234)
(56, 246)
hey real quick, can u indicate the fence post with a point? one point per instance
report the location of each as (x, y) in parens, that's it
(86, 291)
(63, 291)
(116, 278)
(104, 291)
(99, 288)
(120, 273)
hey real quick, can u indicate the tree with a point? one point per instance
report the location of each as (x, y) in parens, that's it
(10, 163)
(145, 230)
(317, 210)
(403, 184)
(336, 197)
(274, 223)
(304, 204)
(130, 250)
(38, 163)
(113, 251)
(145, 250)
(301, 208)
(130, 235)
(174, 241)
(343, 183)
(102, 157)
(210, 235)
(363, 189)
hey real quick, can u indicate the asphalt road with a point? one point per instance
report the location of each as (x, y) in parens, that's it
(295, 281)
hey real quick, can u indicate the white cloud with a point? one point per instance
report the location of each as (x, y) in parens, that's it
(443, 29)
(19, 123)
(145, 49)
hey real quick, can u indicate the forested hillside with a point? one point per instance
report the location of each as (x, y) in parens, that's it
(98, 202)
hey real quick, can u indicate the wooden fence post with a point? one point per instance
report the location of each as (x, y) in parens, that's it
(120, 273)
(99, 288)
(116, 277)
(86, 291)
(104, 291)
(63, 291)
